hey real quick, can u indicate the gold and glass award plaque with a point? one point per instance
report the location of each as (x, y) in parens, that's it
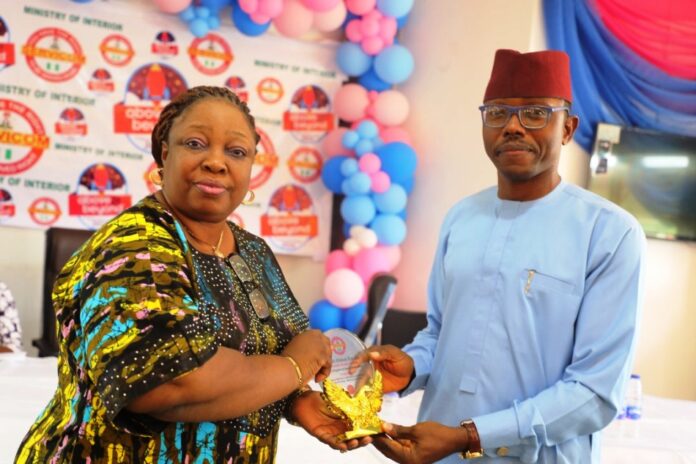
(354, 388)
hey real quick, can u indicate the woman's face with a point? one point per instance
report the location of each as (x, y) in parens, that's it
(207, 160)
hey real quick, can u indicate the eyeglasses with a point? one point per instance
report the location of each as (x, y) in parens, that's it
(530, 116)
(258, 301)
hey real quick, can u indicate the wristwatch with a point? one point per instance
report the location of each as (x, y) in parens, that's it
(474, 450)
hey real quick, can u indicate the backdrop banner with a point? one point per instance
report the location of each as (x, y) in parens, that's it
(81, 89)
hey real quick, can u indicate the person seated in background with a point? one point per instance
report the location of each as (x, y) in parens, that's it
(180, 340)
(10, 330)
(533, 300)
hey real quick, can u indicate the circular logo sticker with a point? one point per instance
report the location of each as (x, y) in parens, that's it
(53, 54)
(7, 206)
(116, 49)
(71, 123)
(270, 90)
(44, 211)
(290, 221)
(22, 137)
(101, 82)
(338, 345)
(305, 164)
(7, 48)
(265, 161)
(211, 55)
(101, 194)
(164, 45)
(238, 86)
(309, 117)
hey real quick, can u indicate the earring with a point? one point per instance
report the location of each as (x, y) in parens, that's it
(155, 176)
(250, 200)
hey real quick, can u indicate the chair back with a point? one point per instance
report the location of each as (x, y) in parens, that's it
(381, 289)
(60, 245)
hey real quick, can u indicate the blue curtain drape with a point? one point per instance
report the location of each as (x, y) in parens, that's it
(611, 83)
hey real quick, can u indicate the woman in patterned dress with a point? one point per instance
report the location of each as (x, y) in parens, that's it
(180, 341)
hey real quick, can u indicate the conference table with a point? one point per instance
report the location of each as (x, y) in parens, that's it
(666, 434)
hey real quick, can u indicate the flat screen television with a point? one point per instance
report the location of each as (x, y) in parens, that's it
(650, 174)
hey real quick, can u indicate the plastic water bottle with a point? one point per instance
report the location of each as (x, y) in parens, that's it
(634, 398)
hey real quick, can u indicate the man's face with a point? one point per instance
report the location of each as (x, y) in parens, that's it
(521, 154)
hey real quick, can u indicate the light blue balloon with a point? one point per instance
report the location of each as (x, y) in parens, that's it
(390, 229)
(363, 146)
(350, 138)
(398, 160)
(368, 129)
(352, 60)
(243, 22)
(202, 11)
(392, 201)
(198, 27)
(349, 167)
(347, 188)
(331, 174)
(360, 183)
(354, 317)
(394, 64)
(324, 316)
(187, 15)
(394, 8)
(358, 209)
(213, 21)
(407, 184)
(215, 5)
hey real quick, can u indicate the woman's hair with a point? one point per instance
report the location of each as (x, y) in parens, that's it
(176, 107)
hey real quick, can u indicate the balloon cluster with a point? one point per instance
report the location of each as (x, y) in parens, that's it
(370, 161)
(291, 18)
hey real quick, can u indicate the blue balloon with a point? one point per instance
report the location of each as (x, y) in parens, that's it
(394, 8)
(346, 229)
(349, 167)
(403, 214)
(367, 129)
(394, 64)
(215, 5)
(390, 229)
(202, 12)
(354, 317)
(392, 201)
(198, 27)
(187, 15)
(371, 81)
(358, 209)
(245, 25)
(363, 146)
(407, 184)
(331, 173)
(352, 60)
(350, 138)
(401, 22)
(398, 160)
(324, 316)
(359, 183)
(213, 21)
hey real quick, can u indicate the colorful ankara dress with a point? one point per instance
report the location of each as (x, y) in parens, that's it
(137, 307)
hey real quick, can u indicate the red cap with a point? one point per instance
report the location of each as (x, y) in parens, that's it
(536, 74)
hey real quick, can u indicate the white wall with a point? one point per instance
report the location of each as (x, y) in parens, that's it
(453, 43)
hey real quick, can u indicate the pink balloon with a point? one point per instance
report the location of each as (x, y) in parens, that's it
(330, 20)
(353, 32)
(320, 5)
(372, 45)
(387, 29)
(249, 6)
(360, 7)
(380, 182)
(369, 163)
(370, 261)
(343, 288)
(332, 144)
(172, 6)
(295, 20)
(393, 254)
(370, 24)
(394, 134)
(337, 259)
(350, 102)
(390, 108)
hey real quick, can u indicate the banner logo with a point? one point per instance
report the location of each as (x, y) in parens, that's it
(164, 45)
(101, 193)
(44, 211)
(7, 48)
(149, 89)
(270, 90)
(53, 54)
(22, 137)
(101, 82)
(305, 164)
(238, 86)
(290, 222)
(309, 117)
(7, 206)
(210, 55)
(71, 123)
(116, 50)
(265, 161)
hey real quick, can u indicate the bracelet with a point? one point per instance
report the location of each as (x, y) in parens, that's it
(300, 380)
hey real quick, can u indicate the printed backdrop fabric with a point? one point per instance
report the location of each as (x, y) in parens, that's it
(81, 89)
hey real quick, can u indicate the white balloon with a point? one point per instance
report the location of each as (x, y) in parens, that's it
(351, 247)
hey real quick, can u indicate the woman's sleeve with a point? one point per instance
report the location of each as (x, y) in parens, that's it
(140, 322)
